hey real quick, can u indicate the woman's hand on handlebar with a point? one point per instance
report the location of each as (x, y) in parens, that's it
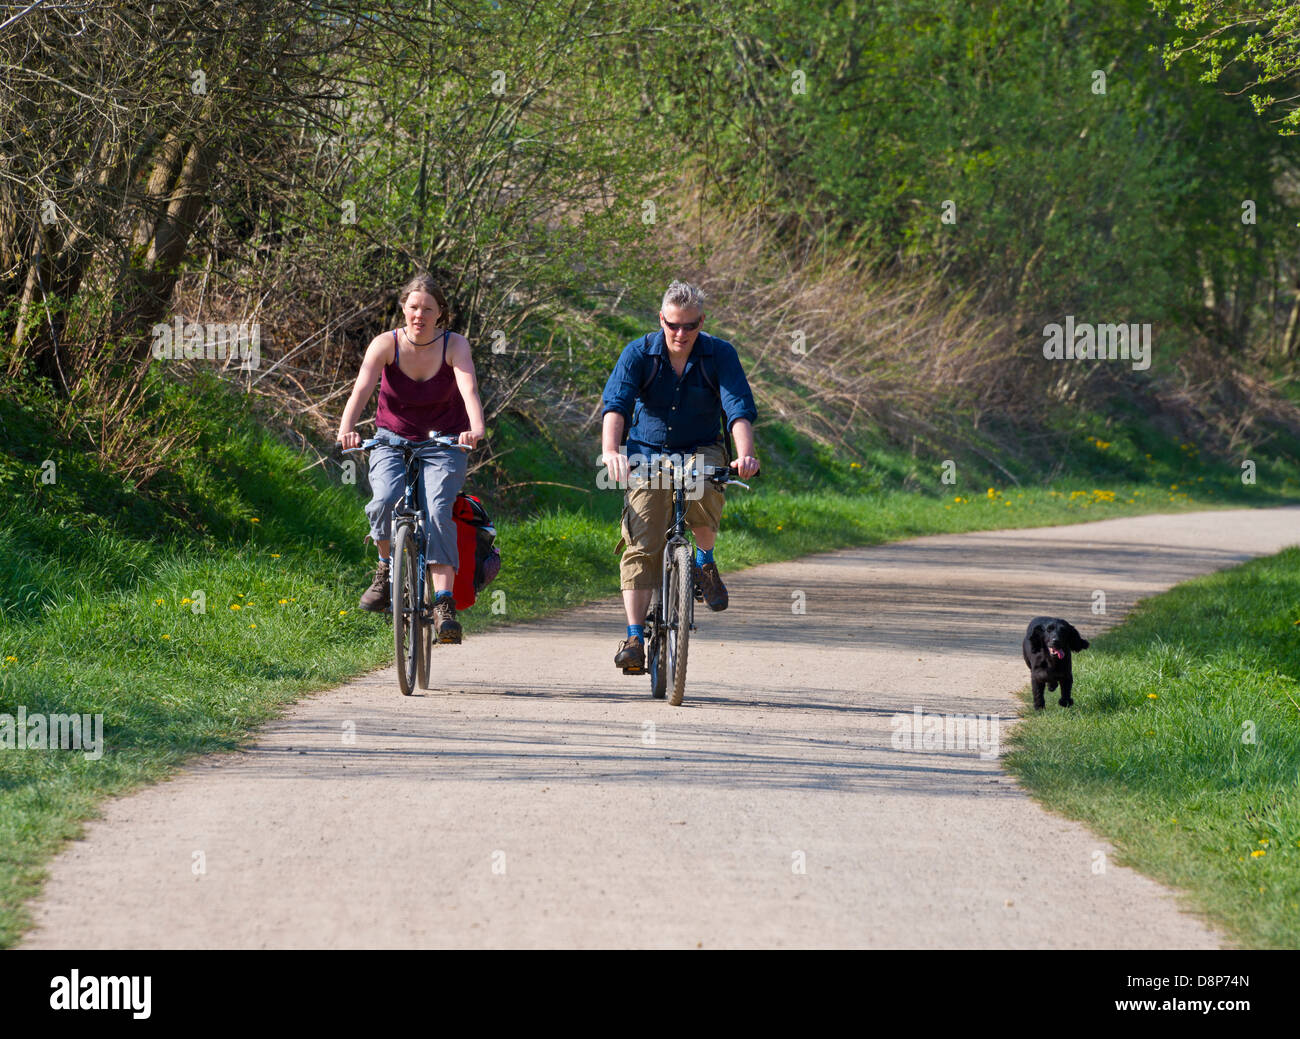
(349, 440)
(471, 437)
(745, 466)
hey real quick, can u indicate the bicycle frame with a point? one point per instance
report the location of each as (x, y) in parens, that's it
(408, 511)
(676, 535)
(664, 641)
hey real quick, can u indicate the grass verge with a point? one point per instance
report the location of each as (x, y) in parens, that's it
(1184, 747)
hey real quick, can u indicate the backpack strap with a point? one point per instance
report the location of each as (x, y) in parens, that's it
(654, 370)
(711, 381)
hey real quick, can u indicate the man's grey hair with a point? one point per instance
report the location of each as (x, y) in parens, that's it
(684, 294)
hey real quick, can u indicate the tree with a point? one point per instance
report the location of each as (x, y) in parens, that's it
(1253, 42)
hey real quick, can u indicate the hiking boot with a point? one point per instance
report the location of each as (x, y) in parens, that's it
(631, 656)
(710, 586)
(445, 624)
(376, 597)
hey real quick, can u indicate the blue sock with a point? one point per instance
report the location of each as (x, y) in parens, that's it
(703, 555)
(443, 595)
(384, 559)
(636, 631)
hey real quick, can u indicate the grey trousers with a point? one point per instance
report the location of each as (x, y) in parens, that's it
(444, 475)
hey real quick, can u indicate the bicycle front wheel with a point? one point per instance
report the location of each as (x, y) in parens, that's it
(406, 608)
(677, 612)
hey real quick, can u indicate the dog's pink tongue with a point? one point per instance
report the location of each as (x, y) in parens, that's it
(1057, 653)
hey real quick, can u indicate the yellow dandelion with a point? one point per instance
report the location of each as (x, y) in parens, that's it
(157, 602)
(252, 625)
(255, 520)
(1256, 854)
(1153, 696)
(167, 636)
(186, 602)
(10, 660)
(342, 613)
(234, 605)
(779, 527)
(1264, 843)
(283, 601)
(275, 555)
(855, 465)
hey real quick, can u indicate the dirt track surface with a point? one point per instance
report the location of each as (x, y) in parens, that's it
(538, 797)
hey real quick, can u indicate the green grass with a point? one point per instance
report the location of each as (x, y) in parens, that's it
(1183, 747)
(94, 616)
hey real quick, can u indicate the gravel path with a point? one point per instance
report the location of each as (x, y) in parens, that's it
(538, 797)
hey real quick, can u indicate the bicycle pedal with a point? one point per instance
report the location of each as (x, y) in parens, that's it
(634, 671)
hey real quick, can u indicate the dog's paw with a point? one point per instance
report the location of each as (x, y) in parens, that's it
(1066, 702)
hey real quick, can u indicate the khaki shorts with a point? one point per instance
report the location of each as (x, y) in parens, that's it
(647, 515)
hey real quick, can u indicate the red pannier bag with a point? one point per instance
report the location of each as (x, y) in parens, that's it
(475, 540)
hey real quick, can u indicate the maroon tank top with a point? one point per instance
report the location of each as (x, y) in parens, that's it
(412, 408)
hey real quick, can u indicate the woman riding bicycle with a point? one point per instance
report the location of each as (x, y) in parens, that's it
(427, 387)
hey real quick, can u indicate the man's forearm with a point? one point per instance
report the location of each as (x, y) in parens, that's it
(743, 432)
(611, 432)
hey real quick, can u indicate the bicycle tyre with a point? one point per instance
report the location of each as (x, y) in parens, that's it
(681, 585)
(406, 617)
(656, 648)
(425, 661)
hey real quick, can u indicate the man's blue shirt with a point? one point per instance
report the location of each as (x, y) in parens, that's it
(671, 414)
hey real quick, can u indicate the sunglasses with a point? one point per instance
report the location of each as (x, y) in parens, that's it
(685, 326)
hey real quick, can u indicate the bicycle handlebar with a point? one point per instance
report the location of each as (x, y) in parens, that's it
(393, 440)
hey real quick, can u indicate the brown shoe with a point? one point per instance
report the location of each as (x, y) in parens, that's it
(709, 582)
(445, 624)
(631, 655)
(376, 597)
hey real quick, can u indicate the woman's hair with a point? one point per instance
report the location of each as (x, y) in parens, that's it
(424, 283)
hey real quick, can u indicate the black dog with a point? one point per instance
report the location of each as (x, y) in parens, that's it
(1047, 647)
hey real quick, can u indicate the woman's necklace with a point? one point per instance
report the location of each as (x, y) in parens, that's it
(413, 342)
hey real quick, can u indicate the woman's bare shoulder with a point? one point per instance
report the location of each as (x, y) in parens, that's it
(381, 348)
(457, 345)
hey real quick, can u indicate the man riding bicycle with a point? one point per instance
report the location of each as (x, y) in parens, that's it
(673, 387)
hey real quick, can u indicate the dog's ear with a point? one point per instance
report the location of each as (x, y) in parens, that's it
(1077, 641)
(1036, 637)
